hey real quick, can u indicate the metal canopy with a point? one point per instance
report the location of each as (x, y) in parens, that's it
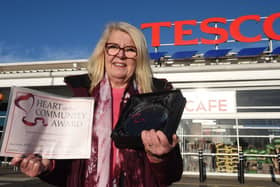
(183, 55)
(276, 51)
(216, 53)
(251, 52)
(157, 55)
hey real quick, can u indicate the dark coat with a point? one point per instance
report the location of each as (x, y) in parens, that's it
(70, 173)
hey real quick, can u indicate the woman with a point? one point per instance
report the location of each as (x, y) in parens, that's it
(118, 68)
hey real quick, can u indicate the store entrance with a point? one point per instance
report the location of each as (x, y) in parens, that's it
(252, 131)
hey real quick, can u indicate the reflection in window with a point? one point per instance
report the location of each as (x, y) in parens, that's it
(259, 123)
(258, 100)
(206, 134)
(2, 119)
(258, 133)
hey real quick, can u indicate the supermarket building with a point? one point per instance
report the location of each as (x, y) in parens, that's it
(233, 102)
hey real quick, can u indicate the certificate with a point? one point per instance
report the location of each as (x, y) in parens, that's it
(54, 126)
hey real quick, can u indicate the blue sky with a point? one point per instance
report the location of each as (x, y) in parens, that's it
(38, 30)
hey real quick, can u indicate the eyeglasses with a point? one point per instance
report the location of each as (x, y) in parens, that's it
(113, 49)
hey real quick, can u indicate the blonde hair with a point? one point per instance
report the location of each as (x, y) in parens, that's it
(143, 72)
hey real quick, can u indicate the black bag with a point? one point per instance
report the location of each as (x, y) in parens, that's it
(159, 111)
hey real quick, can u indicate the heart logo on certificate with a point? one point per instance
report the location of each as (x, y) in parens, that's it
(26, 103)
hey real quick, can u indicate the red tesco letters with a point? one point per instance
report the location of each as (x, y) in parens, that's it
(222, 33)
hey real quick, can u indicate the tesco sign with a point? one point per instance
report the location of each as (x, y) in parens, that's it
(223, 34)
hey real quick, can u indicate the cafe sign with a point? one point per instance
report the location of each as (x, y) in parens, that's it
(210, 102)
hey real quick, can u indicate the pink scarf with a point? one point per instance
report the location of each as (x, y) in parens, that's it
(98, 170)
(132, 162)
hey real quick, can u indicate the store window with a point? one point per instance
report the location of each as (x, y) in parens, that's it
(216, 138)
(258, 100)
(222, 139)
(3, 108)
(2, 120)
(260, 141)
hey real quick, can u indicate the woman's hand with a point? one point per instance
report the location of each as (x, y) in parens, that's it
(31, 165)
(157, 145)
